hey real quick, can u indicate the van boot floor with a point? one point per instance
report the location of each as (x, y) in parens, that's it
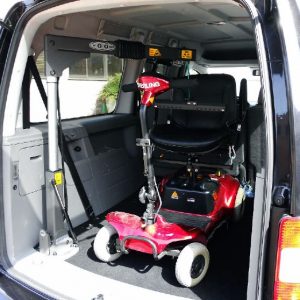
(226, 278)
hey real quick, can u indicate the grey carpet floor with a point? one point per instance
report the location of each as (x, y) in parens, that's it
(226, 277)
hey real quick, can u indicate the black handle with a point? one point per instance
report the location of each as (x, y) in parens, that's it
(131, 87)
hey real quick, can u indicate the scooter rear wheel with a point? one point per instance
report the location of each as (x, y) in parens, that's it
(192, 264)
(105, 244)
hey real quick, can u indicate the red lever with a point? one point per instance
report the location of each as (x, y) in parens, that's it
(151, 87)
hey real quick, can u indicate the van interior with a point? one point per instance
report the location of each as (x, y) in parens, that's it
(98, 125)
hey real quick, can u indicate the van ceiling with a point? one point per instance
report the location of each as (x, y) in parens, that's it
(222, 29)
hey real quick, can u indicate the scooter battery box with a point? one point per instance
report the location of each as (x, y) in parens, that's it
(191, 197)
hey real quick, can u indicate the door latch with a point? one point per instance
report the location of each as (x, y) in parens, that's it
(281, 196)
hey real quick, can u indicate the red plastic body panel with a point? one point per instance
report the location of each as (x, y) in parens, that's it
(224, 203)
(151, 86)
(163, 233)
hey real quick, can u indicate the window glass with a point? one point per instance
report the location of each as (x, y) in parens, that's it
(253, 82)
(88, 87)
(113, 65)
(92, 68)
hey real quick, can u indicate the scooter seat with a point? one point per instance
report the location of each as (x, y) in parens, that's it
(178, 139)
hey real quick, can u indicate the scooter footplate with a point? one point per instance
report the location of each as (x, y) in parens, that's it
(185, 219)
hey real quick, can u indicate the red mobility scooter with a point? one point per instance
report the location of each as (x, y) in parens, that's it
(181, 212)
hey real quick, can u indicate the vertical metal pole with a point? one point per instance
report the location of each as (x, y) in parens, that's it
(149, 214)
(52, 123)
(55, 224)
(55, 62)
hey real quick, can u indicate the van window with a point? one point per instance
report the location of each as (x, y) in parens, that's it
(87, 88)
(253, 81)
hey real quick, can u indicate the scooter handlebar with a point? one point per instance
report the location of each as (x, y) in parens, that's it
(131, 87)
(174, 83)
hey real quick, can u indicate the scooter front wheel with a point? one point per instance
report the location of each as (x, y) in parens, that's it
(192, 264)
(105, 244)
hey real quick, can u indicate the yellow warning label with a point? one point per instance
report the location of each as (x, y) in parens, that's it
(58, 178)
(151, 100)
(186, 54)
(154, 52)
(174, 195)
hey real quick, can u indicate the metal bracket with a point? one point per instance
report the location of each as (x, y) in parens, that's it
(231, 154)
(172, 252)
(147, 152)
(143, 142)
(61, 52)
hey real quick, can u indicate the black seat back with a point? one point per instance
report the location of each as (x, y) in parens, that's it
(217, 90)
(214, 90)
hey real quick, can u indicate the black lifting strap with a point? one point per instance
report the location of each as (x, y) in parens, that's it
(64, 148)
(26, 97)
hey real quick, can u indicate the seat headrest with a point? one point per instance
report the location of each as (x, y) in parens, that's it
(243, 90)
(209, 85)
(260, 97)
